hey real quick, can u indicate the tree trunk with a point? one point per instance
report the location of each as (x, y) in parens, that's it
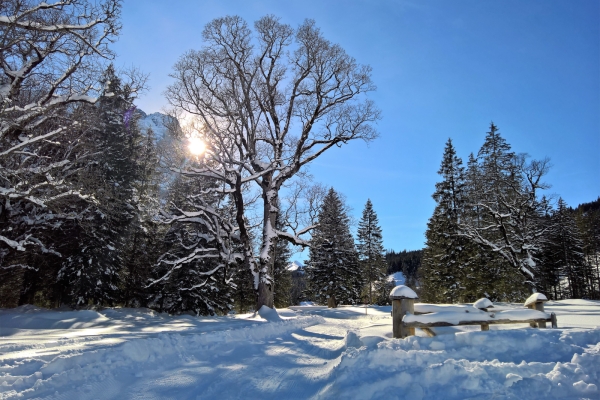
(265, 285)
(265, 295)
(331, 303)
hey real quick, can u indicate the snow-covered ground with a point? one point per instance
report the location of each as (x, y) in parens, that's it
(308, 352)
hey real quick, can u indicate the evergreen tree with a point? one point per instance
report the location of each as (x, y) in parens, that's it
(587, 217)
(564, 252)
(144, 233)
(92, 267)
(503, 217)
(446, 256)
(195, 273)
(282, 278)
(333, 272)
(371, 254)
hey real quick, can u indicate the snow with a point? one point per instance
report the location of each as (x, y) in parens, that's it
(483, 303)
(269, 314)
(431, 308)
(403, 291)
(398, 278)
(296, 266)
(313, 352)
(535, 298)
(157, 121)
(455, 317)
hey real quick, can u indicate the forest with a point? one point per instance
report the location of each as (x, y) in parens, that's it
(493, 233)
(98, 208)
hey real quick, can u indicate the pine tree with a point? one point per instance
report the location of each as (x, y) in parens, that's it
(144, 233)
(92, 268)
(371, 254)
(333, 273)
(282, 278)
(196, 270)
(564, 251)
(587, 217)
(446, 257)
(504, 216)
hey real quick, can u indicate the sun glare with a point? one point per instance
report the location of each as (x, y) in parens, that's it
(196, 146)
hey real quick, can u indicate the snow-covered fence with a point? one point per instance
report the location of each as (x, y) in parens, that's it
(407, 315)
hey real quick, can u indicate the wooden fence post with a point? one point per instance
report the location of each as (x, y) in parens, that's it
(484, 304)
(536, 302)
(403, 301)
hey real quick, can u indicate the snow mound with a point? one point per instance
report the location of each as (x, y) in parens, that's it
(404, 292)
(517, 363)
(483, 303)
(269, 314)
(534, 298)
(31, 317)
(352, 340)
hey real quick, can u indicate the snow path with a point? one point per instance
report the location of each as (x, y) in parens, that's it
(312, 353)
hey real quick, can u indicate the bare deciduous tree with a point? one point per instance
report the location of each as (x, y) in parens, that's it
(270, 102)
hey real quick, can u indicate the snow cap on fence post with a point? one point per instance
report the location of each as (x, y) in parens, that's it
(403, 302)
(535, 298)
(402, 292)
(536, 302)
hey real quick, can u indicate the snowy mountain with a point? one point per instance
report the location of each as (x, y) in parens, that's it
(157, 121)
(296, 266)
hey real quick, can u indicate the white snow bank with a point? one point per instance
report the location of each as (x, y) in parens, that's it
(32, 317)
(483, 303)
(510, 364)
(269, 314)
(403, 291)
(534, 298)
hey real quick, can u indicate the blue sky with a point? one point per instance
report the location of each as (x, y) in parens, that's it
(443, 69)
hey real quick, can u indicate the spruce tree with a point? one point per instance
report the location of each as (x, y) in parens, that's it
(445, 259)
(503, 217)
(282, 278)
(564, 252)
(144, 233)
(195, 272)
(333, 272)
(371, 254)
(91, 268)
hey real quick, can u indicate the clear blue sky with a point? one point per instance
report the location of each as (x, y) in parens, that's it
(443, 69)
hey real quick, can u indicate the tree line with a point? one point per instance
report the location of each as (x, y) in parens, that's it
(493, 234)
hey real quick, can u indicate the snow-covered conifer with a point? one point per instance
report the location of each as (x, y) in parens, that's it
(504, 215)
(372, 255)
(196, 270)
(333, 272)
(445, 261)
(564, 255)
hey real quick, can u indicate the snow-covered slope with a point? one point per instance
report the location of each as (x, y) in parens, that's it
(398, 278)
(296, 266)
(157, 121)
(313, 352)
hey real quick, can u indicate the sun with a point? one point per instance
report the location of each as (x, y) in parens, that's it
(196, 146)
